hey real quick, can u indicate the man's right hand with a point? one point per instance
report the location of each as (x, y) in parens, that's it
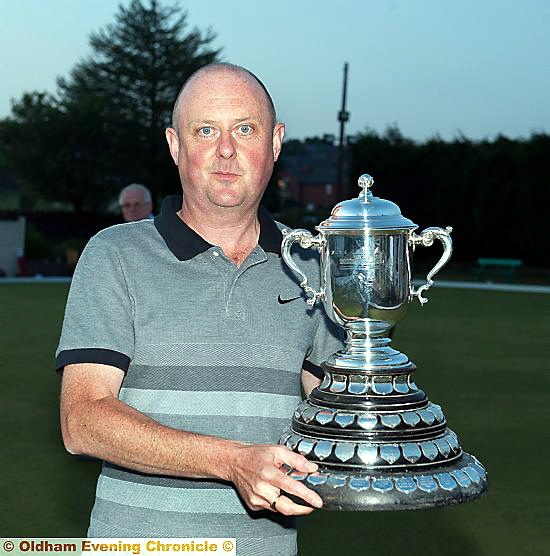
(258, 472)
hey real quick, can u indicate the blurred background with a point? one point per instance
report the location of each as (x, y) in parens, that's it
(446, 104)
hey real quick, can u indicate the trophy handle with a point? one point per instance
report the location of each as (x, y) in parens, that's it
(426, 239)
(306, 241)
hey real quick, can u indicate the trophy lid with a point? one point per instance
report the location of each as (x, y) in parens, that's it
(366, 211)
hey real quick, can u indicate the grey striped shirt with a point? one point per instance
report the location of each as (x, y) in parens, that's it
(207, 347)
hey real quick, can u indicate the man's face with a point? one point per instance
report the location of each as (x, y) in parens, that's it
(226, 144)
(134, 207)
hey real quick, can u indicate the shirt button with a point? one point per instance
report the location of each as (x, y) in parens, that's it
(215, 253)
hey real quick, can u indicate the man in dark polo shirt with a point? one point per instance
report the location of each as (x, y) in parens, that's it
(186, 339)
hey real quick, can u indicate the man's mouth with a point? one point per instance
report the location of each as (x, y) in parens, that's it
(226, 175)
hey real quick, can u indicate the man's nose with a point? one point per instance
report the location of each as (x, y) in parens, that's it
(226, 145)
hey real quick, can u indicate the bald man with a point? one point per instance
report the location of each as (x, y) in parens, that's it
(186, 340)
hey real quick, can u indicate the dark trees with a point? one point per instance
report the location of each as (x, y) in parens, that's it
(105, 127)
(494, 194)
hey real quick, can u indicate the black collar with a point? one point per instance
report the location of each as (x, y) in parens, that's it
(185, 243)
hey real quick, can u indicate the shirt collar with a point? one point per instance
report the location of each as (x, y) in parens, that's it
(185, 243)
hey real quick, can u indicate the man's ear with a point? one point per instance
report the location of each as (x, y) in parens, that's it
(278, 134)
(173, 143)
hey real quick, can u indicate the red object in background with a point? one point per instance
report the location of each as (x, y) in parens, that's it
(22, 266)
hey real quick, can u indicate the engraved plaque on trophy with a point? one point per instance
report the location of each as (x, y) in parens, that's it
(379, 442)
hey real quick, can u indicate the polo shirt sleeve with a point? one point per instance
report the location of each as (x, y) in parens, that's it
(329, 338)
(98, 325)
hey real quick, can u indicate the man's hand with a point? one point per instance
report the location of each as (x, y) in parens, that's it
(258, 475)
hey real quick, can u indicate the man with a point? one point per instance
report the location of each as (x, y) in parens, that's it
(135, 202)
(184, 341)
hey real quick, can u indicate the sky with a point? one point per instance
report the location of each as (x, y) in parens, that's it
(476, 68)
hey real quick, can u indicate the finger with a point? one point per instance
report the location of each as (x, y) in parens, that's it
(297, 461)
(273, 505)
(298, 489)
(286, 506)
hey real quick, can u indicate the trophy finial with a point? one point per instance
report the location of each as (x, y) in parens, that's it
(365, 181)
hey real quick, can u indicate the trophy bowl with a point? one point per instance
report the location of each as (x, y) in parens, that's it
(380, 444)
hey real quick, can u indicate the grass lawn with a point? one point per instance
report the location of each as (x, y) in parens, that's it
(483, 356)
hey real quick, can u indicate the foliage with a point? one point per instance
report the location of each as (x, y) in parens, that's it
(491, 192)
(105, 127)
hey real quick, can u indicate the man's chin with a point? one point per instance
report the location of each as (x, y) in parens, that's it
(228, 201)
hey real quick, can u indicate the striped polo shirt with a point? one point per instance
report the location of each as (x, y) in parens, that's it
(206, 347)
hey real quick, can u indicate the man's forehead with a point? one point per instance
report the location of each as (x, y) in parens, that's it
(135, 193)
(222, 88)
(222, 77)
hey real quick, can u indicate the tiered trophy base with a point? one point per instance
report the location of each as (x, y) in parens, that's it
(406, 490)
(380, 444)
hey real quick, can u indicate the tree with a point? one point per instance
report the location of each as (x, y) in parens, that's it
(105, 126)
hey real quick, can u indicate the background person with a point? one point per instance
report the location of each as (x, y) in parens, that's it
(182, 366)
(135, 202)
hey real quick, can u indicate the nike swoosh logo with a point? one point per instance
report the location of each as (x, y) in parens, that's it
(283, 301)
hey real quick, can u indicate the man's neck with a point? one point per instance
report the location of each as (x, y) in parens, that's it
(236, 232)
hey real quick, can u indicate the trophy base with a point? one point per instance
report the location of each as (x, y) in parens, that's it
(462, 481)
(380, 444)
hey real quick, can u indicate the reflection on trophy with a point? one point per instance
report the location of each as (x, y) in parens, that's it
(379, 442)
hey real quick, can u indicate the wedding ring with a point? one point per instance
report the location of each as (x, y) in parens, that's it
(273, 504)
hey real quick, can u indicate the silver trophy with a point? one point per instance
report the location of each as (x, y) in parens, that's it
(379, 442)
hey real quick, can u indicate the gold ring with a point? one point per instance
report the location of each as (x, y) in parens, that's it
(273, 504)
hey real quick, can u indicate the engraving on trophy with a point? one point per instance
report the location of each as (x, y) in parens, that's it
(359, 483)
(317, 478)
(363, 257)
(336, 481)
(461, 478)
(426, 483)
(405, 484)
(472, 473)
(382, 484)
(446, 481)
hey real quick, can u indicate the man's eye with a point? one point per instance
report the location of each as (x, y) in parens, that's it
(245, 129)
(205, 131)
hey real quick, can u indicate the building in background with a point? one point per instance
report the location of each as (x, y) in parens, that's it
(12, 246)
(307, 174)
